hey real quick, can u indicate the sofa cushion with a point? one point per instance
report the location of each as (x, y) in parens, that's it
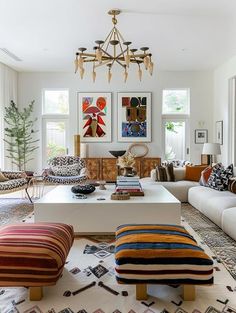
(219, 178)
(228, 222)
(180, 173)
(193, 173)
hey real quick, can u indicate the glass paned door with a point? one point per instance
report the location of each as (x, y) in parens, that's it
(175, 139)
(55, 137)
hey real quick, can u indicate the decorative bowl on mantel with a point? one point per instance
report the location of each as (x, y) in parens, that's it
(117, 153)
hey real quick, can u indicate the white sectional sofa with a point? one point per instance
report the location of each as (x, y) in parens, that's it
(218, 206)
(179, 188)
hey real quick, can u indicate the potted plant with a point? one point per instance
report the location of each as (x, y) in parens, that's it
(19, 134)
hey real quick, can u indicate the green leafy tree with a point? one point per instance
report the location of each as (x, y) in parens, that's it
(19, 134)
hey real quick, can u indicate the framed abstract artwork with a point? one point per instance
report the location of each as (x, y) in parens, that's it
(134, 116)
(219, 132)
(94, 110)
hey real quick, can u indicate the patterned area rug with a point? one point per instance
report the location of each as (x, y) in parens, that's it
(14, 210)
(221, 245)
(88, 285)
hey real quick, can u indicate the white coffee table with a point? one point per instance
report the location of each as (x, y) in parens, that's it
(103, 216)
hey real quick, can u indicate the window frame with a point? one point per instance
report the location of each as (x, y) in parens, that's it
(55, 117)
(172, 113)
(43, 102)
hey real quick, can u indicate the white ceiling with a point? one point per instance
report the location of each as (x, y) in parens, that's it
(182, 34)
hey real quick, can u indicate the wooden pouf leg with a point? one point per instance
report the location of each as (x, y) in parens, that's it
(141, 292)
(35, 293)
(188, 293)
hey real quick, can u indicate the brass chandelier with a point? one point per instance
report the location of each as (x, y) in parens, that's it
(114, 49)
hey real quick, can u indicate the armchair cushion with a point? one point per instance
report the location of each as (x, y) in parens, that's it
(65, 170)
(14, 175)
(65, 180)
(13, 184)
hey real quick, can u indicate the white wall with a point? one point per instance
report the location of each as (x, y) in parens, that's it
(8, 92)
(30, 87)
(221, 102)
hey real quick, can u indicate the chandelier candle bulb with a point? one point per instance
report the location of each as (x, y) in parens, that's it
(140, 74)
(82, 70)
(94, 76)
(151, 65)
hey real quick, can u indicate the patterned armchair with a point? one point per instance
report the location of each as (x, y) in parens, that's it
(65, 170)
(14, 181)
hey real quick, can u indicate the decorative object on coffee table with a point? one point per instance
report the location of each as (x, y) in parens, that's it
(117, 153)
(126, 162)
(134, 116)
(102, 184)
(83, 189)
(120, 196)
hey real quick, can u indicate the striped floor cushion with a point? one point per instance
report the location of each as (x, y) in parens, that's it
(33, 254)
(160, 254)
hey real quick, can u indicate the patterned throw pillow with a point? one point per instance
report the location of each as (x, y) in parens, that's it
(219, 178)
(65, 170)
(205, 176)
(170, 172)
(232, 185)
(161, 173)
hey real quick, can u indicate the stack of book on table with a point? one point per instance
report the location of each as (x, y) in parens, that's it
(130, 185)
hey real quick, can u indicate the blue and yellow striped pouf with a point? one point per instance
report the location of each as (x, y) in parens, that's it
(160, 254)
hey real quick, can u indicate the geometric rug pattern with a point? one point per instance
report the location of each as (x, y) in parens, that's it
(88, 285)
(223, 247)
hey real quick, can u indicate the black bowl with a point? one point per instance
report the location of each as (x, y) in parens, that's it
(84, 189)
(117, 153)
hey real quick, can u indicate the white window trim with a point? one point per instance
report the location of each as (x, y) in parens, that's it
(178, 114)
(52, 117)
(43, 102)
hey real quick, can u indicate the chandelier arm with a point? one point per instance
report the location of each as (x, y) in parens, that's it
(103, 63)
(120, 63)
(122, 53)
(108, 54)
(109, 35)
(122, 38)
(108, 40)
(121, 49)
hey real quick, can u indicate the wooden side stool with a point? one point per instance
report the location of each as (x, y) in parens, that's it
(33, 255)
(160, 254)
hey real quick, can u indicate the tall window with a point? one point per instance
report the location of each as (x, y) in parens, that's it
(55, 113)
(175, 122)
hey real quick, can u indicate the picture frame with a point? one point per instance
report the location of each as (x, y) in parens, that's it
(201, 136)
(94, 116)
(134, 116)
(219, 132)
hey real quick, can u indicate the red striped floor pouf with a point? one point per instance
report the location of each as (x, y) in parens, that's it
(160, 254)
(34, 254)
